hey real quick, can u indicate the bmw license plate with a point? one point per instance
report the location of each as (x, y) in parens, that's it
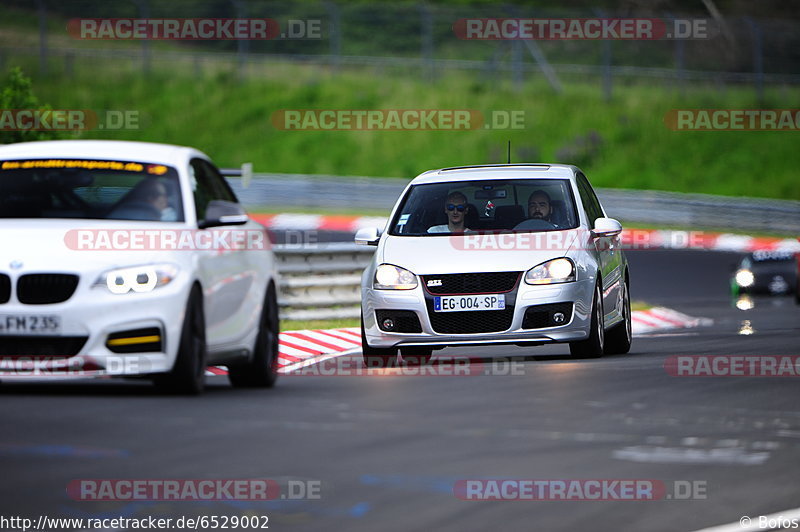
(463, 303)
(29, 324)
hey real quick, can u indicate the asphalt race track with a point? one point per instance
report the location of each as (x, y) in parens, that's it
(388, 450)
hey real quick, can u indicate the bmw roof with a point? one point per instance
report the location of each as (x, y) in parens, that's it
(98, 149)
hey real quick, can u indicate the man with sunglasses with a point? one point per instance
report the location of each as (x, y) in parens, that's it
(456, 208)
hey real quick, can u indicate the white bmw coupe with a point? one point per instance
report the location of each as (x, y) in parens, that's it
(130, 259)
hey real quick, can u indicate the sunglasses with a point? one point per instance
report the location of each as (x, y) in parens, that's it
(459, 208)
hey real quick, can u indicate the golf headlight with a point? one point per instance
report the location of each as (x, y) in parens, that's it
(145, 278)
(745, 278)
(390, 277)
(550, 272)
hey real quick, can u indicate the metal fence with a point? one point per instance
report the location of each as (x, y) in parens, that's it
(321, 282)
(421, 37)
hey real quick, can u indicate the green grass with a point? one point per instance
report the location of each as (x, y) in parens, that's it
(622, 143)
(297, 325)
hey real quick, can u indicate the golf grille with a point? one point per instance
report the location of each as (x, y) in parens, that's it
(471, 283)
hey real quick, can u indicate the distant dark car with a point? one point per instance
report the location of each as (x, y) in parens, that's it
(767, 273)
(797, 281)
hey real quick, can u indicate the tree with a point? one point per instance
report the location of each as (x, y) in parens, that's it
(16, 93)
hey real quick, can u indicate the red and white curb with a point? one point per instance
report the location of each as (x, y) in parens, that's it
(662, 319)
(318, 222)
(301, 348)
(298, 349)
(632, 238)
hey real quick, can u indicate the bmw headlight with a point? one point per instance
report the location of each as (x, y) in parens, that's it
(745, 278)
(145, 278)
(553, 271)
(391, 277)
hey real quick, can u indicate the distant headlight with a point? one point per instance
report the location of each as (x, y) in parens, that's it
(145, 278)
(744, 278)
(551, 272)
(390, 277)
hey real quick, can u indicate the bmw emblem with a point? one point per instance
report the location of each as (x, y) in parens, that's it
(15, 265)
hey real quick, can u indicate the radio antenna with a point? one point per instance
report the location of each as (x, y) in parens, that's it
(509, 152)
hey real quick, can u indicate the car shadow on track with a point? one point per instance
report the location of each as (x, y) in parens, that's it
(105, 388)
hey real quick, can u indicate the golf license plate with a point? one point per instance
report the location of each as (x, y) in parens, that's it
(462, 303)
(29, 324)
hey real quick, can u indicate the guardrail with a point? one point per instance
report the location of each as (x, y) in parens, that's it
(702, 211)
(651, 207)
(321, 282)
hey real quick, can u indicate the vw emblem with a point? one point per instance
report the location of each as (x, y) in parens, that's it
(15, 265)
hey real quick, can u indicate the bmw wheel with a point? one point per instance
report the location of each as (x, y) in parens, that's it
(262, 370)
(188, 374)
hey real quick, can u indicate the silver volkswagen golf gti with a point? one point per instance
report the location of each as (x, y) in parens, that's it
(498, 254)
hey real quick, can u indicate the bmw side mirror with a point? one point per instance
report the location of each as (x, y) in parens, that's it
(368, 236)
(221, 212)
(604, 227)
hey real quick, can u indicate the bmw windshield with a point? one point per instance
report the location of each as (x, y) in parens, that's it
(95, 189)
(519, 205)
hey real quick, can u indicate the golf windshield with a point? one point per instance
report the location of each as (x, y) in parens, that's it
(518, 205)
